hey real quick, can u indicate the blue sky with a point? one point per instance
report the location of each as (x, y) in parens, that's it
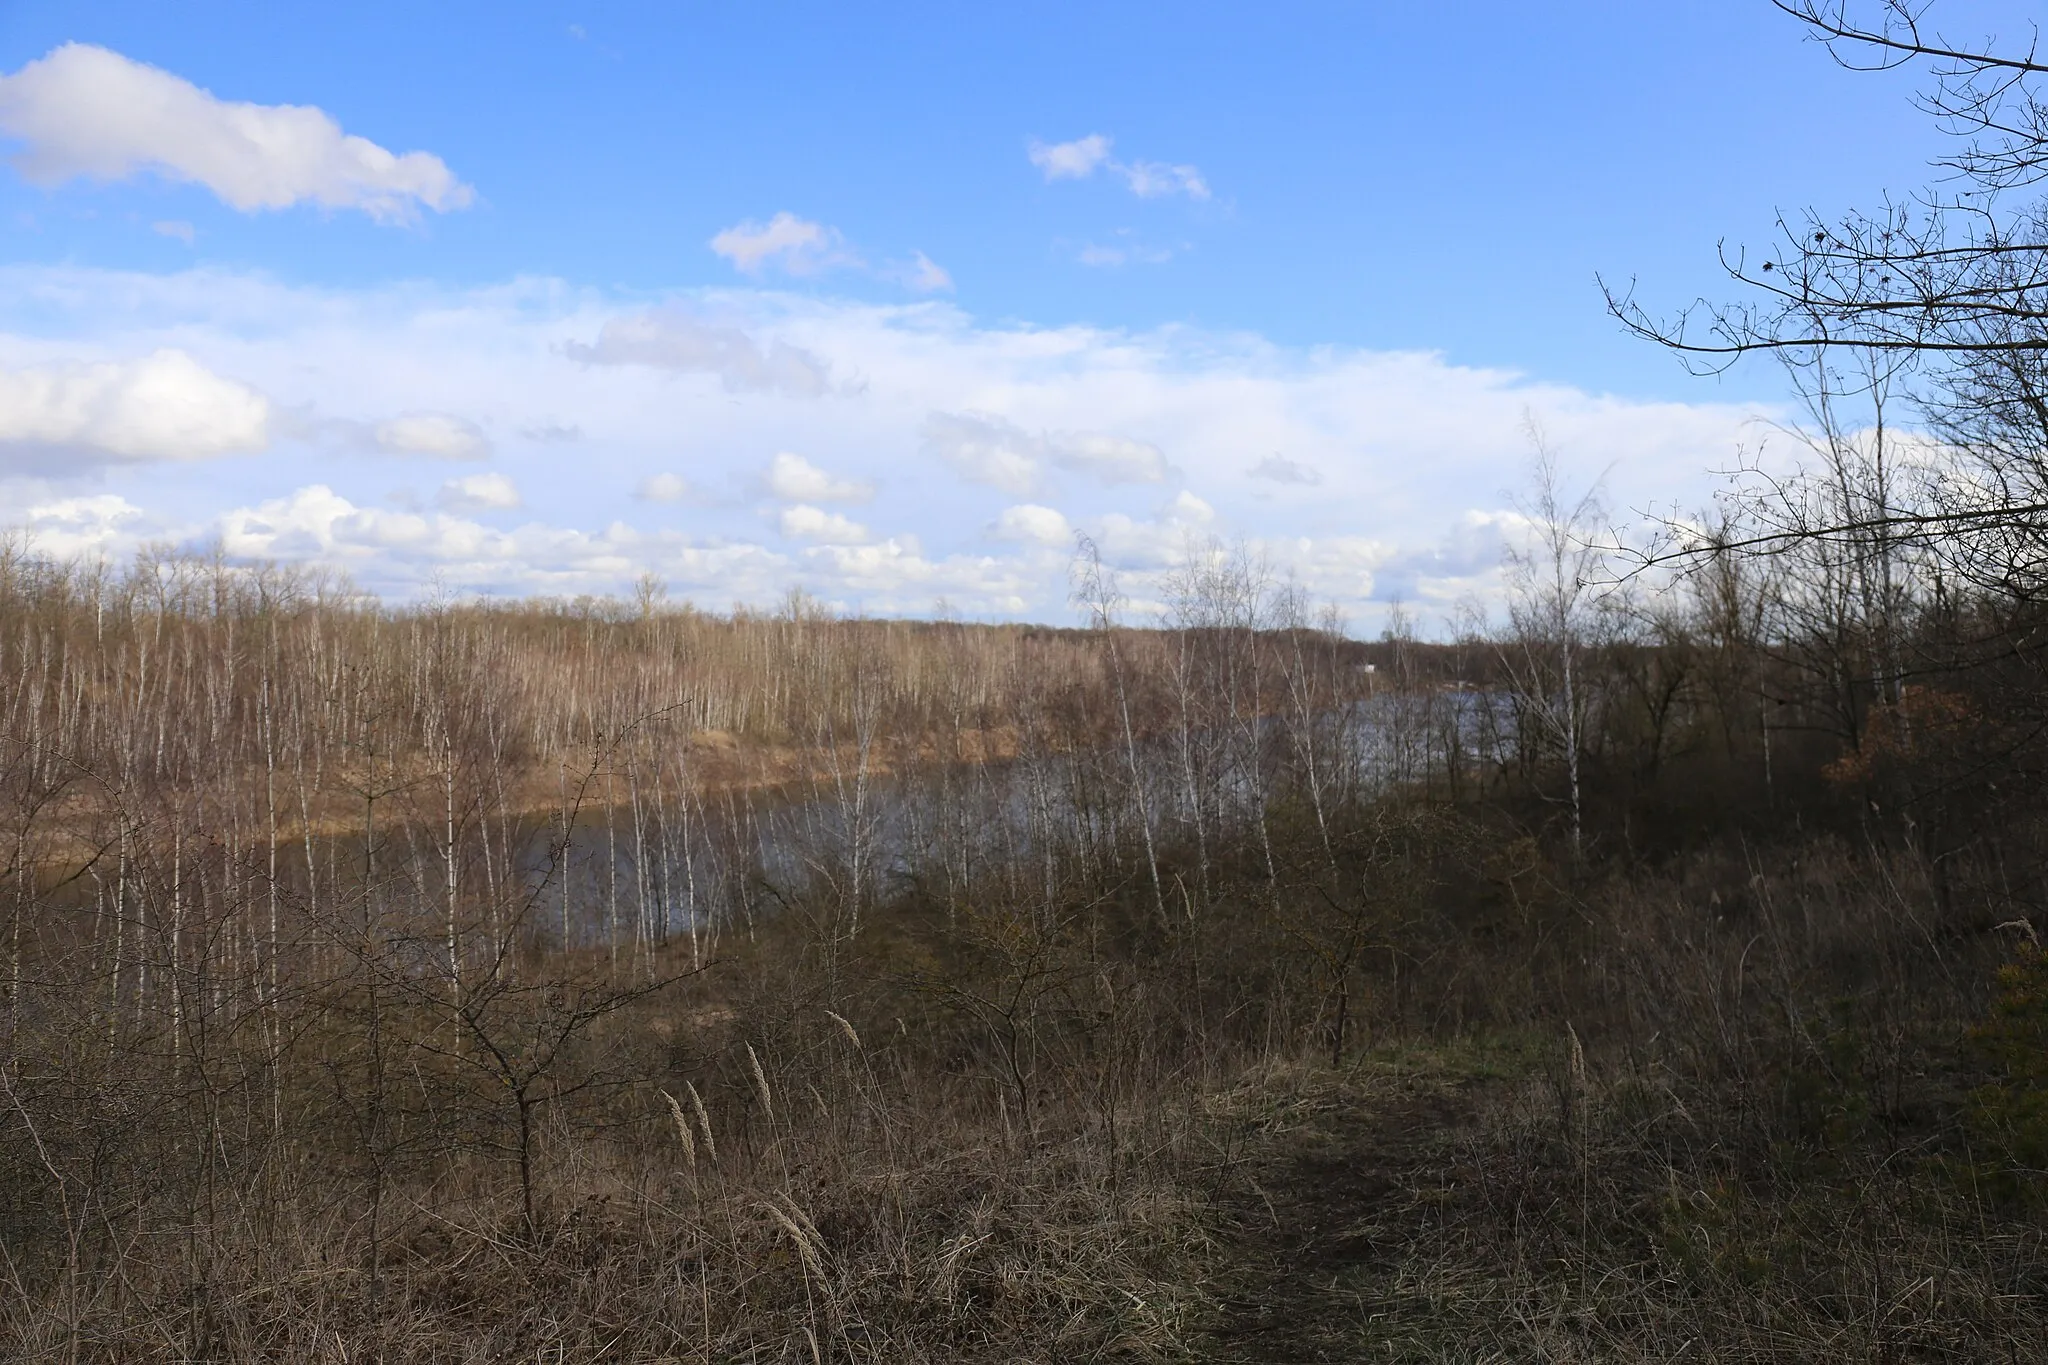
(887, 305)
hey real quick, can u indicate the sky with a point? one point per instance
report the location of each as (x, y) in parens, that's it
(538, 298)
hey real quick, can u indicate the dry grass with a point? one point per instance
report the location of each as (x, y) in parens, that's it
(890, 1238)
(1246, 1033)
(1699, 1153)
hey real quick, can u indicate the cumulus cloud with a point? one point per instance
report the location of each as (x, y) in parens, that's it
(1183, 527)
(85, 112)
(1413, 451)
(1074, 160)
(796, 246)
(1141, 547)
(1081, 158)
(896, 573)
(983, 449)
(1460, 559)
(165, 406)
(792, 478)
(400, 551)
(71, 528)
(314, 522)
(804, 522)
(479, 492)
(1280, 469)
(662, 488)
(1033, 524)
(434, 434)
(668, 339)
(992, 450)
(1347, 569)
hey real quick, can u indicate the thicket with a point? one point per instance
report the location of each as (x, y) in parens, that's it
(470, 982)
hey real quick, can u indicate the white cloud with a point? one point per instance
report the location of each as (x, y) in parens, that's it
(551, 431)
(72, 528)
(799, 247)
(988, 449)
(1111, 459)
(792, 478)
(804, 522)
(398, 552)
(434, 434)
(1081, 158)
(895, 574)
(922, 275)
(1102, 257)
(479, 492)
(984, 449)
(1183, 526)
(1280, 469)
(318, 523)
(1141, 549)
(165, 406)
(1033, 524)
(795, 245)
(1185, 509)
(83, 111)
(1347, 569)
(663, 488)
(176, 229)
(1152, 179)
(1463, 559)
(668, 339)
(1127, 249)
(1074, 160)
(1415, 453)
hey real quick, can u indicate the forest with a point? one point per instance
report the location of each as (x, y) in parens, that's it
(1650, 968)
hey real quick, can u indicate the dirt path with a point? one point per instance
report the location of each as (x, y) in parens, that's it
(1337, 1185)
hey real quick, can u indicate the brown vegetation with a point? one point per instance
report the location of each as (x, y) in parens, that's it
(580, 982)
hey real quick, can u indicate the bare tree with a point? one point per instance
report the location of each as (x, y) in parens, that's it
(1096, 592)
(1552, 580)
